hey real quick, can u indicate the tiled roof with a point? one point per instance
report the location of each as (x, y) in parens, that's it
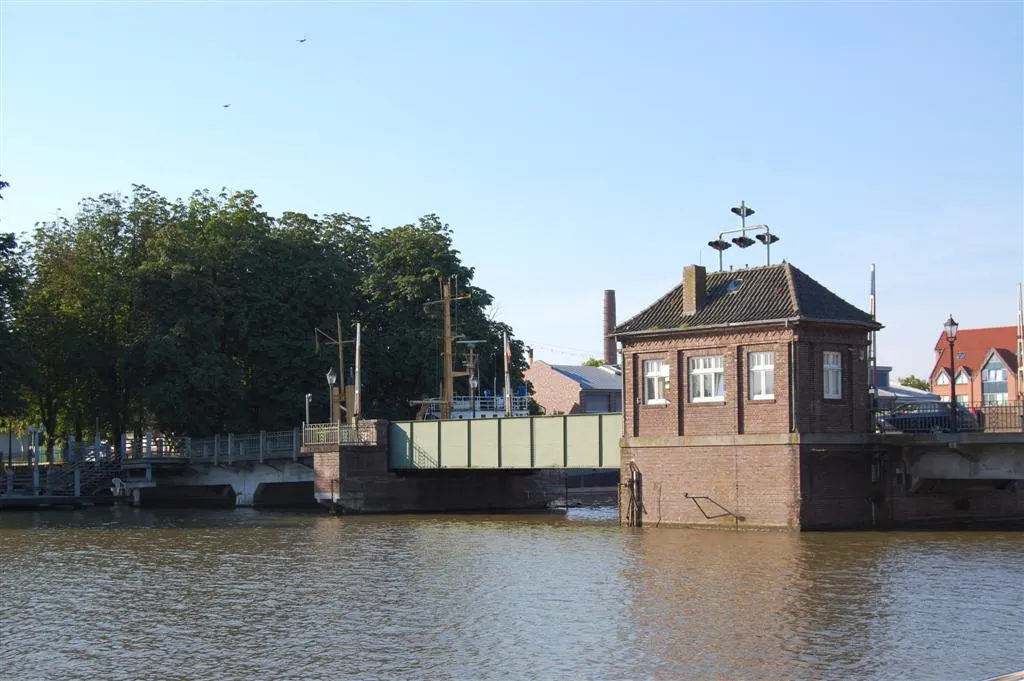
(972, 346)
(749, 296)
(590, 378)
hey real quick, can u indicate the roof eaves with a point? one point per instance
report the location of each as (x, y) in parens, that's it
(761, 322)
(844, 322)
(793, 299)
(706, 327)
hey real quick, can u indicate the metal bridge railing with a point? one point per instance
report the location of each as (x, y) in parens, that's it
(260, 446)
(932, 416)
(363, 433)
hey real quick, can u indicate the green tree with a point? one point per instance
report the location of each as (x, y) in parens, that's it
(15, 360)
(594, 362)
(914, 382)
(197, 316)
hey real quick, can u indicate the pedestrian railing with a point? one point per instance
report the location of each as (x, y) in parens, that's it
(362, 433)
(935, 416)
(260, 446)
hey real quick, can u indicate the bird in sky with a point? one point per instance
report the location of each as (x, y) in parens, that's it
(301, 40)
(225, 105)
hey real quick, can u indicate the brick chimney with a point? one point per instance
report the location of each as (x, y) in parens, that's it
(609, 327)
(694, 289)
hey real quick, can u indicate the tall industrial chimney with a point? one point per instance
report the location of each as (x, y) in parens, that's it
(609, 327)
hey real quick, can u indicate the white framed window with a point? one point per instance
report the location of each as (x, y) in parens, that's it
(833, 363)
(943, 379)
(961, 378)
(707, 379)
(655, 381)
(762, 375)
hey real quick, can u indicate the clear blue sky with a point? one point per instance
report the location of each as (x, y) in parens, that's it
(572, 147)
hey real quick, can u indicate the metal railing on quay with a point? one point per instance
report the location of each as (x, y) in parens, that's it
(246, 447)
(935, 416)
(157, 446)
(362, 433)
(520, 403)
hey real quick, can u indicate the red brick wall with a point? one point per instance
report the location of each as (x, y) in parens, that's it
(836, 488)
(815, 414)
(759, 482)
(738, 413)
(326, 472)
(553, 391)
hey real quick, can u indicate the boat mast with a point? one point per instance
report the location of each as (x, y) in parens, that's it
(448, 368)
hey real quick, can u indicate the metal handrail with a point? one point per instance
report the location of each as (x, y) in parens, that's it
(362, 433)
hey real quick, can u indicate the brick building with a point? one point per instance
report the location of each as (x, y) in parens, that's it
(746, 402)
(571, 389)
(984, 364)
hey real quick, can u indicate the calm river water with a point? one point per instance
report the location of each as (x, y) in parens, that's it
(121, 593)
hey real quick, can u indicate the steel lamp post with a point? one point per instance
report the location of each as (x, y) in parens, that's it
(331, 378)
(951, 327)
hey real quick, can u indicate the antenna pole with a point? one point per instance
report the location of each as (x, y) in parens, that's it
(448, 381)
(1020, 344)
(471, 367)
(874, 351)
(341, 367)
(356, 401)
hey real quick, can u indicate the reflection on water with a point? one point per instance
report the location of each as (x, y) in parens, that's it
(128, 594)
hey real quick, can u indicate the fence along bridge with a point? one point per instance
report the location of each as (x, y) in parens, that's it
(528, 442)
(524, 442)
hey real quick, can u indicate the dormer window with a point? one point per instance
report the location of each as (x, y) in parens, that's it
(943, 379)
(961, 378)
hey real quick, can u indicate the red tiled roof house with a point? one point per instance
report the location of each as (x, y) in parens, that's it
(984, 366)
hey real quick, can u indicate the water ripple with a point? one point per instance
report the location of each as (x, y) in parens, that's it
(123, 594)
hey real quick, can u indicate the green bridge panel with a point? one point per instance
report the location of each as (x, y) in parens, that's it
(549, 449)
(484, 440)
(516, 442)
(571, 441)
(454, 444)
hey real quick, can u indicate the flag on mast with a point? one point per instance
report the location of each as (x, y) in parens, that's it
(508, 387)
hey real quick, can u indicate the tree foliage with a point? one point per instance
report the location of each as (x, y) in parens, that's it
(197, 316)
(914, 382)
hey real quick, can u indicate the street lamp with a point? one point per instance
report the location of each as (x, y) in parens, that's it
(309, 396)
(331, 378)
(950, 327)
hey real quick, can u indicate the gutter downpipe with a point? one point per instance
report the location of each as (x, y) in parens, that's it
(792, 385)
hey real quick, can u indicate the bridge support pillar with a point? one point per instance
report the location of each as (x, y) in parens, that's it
(358, 479)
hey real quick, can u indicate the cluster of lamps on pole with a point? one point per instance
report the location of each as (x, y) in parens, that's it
(765, 235)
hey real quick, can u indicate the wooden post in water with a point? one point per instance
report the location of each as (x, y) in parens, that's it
(35, 462)
(77, 473)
